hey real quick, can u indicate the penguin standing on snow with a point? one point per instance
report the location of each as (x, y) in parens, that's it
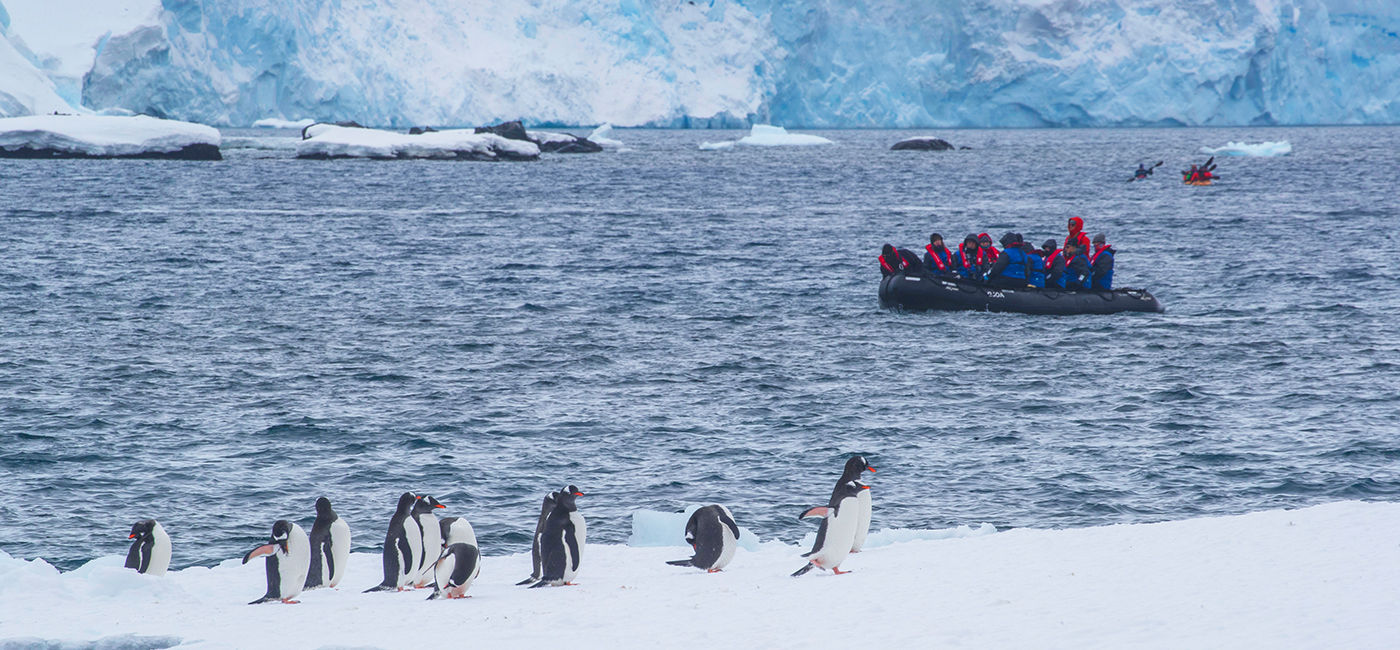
(838, 530)
(545, 509)
(454, 572)
(403, 547)
(150, 548)
(562, 541)
(330, 547)
(288, 559)
(711, 531)
(432, 539)
(855, 466)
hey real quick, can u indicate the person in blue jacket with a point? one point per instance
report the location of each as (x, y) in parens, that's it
(938, 260)
(1101, 264)
(1010, 268)
(966, 259)
(1035, 263)
(1076, 268)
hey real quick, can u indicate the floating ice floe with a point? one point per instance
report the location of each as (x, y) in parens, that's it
(330, 141)
(1263, 149)
(279, 123)
(765, 135)
(603, 136)
(106, 136)
(1325, 574)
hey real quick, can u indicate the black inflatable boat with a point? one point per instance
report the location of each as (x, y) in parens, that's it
(912, 293)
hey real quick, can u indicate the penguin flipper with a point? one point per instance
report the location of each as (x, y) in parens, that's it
(690, 562)
(803, 570)
(819, 511)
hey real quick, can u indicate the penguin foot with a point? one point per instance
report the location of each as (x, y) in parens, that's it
(712, 571)
(570, 584)
(839, 572)
(289, 601)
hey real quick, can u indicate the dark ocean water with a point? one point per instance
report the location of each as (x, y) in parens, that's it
(217, 344)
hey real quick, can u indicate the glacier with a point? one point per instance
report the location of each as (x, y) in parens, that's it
(710, 63)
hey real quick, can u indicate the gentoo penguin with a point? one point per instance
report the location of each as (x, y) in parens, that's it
(563, 539)
(403, 546)
(457, 530)
(854, 467)
(288, 559)
(330, 547)
(431, 542)
(454, 572)
(545, 509)
(150, 548)
(838, 529)
(713, 534)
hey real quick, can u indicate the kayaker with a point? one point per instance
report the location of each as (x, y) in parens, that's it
(938, 260)
(1142, 172)
(1101, 264)
(1192, 175)
(1076, 232)
(1009, 270)
(1035, 263)
(965, 260)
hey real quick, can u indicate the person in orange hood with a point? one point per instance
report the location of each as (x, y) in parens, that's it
(1076, 232)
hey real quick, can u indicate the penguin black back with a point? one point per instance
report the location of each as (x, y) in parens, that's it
(396, 543)
(321, 544)
(143, 538)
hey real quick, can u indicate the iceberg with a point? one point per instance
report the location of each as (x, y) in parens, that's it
(324, 141)
(1263, 149)
(765, 135)
(1327, 574)
(100, 136)
(603, 136)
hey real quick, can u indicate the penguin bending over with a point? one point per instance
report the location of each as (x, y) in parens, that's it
(330, 547)
(457, 530)
(150, 548)
(454, 572)
(403, 546)
(432, 539)
(838, 530)
(288, 559)
(711, 531)
(546, 508)
(855, 466)
(561, 543)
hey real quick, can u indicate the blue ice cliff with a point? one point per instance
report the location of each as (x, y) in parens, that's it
(818, 63)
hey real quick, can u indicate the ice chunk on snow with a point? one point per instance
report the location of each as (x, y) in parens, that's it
(102, 136)
(279, 123)
(330, 141)
(652, 528)
(1263, 149)
(766, 135)
(603, 136)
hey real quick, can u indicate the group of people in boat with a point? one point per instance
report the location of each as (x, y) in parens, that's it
(1076, 264)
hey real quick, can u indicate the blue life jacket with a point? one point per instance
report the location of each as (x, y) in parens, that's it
(1072, 279)
(1106, 282)
(1037, 263)
(1015, 263)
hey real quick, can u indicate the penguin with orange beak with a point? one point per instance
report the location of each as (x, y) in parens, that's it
(288, 554)
(856, 466)
(837, 533)
(562, 541)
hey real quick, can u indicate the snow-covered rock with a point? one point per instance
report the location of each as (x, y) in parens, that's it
(922, 143)
(279, 123)
(1321, 577)
(331, 141)
(99, 136)
(765, 135)
(1263, 149)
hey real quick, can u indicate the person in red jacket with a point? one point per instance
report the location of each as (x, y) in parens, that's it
(1076, 232)
(894, 261)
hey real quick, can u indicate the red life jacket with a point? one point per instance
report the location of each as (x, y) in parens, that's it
(1080, 237)
(938, 259)
(1050, 261)
(962, 257)
(886, 265)
(1095, 256)
(985, 255)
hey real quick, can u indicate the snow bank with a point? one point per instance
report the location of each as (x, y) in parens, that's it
(330, 141)
(603, 136)
(1323, 577)
(765, 135)
(1263, 149)
(99, 136)
(279, 123)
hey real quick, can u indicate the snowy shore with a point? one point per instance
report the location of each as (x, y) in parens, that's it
(1322, 577)
(103, 136)
(326, 141)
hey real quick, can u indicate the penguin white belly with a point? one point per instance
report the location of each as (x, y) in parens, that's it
(340, 551)
(408, 566)
(727, 550)
(569, 571)
(292, 567)
(442, 571)
(840, 535)
(432, 548)
(863, 521)
(580, 534)
(160, 552)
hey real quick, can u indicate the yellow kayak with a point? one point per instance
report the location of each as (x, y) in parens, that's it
(1197, 182)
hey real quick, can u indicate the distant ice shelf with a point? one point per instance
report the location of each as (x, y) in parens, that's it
(1263, 149)
(98, 136)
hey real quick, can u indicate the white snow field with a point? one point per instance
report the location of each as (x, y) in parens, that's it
(1321, 577)
(330, 141)
(1263, 149)
(766, 135)
(103, 136)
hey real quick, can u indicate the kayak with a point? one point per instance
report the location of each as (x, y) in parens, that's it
(1197, 182)
(923, 293)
